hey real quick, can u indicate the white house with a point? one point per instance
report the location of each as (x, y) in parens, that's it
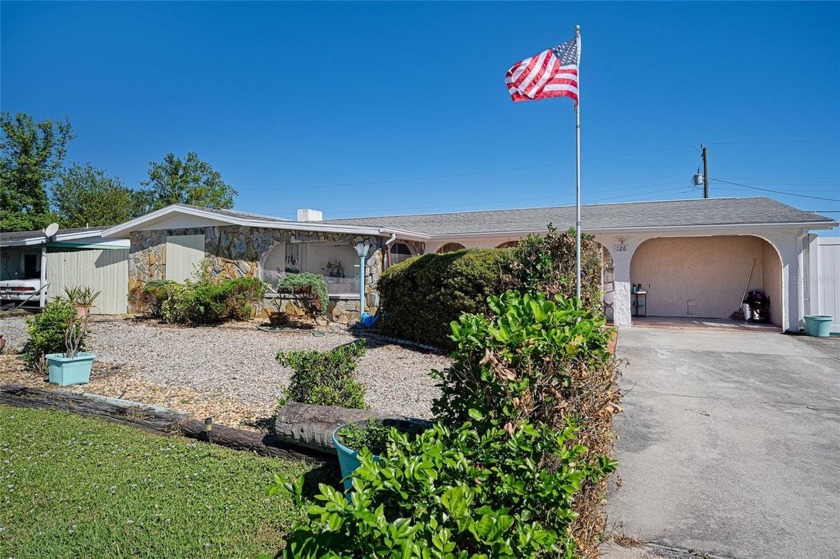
(694, 258)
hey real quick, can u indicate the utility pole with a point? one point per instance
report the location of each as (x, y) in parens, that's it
(705, 173)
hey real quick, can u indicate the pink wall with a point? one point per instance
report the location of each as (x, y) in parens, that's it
(704, 276)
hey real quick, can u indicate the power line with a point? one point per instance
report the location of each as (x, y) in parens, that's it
(777, 191)
(773, 142)
(458, 175)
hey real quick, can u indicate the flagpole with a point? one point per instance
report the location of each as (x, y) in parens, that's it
(577, 172)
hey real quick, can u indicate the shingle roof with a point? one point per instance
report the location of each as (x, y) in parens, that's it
(22, 235)
(678, 213)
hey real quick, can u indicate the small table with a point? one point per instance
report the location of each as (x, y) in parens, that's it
(638, 303)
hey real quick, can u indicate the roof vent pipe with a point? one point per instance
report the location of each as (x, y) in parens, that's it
(310, 215)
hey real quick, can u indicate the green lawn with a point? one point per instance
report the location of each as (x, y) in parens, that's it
(78, 487)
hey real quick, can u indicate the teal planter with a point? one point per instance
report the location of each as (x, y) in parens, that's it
(65, 371)
(348, 458)
(818, 325)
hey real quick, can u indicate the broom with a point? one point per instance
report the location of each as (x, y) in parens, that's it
(739, 314)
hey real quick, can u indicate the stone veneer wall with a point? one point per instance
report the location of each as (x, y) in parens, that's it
(237, 251)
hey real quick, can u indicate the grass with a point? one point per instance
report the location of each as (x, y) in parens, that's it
(79, 487)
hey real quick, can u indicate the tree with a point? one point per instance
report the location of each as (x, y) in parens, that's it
(85, 195)
(193, 181)
(31, 154)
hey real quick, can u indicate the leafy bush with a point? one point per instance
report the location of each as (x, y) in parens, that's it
(242, 293)
(502, 473)
(309, 289)
(326, 378)
(200, 302)
(373, 433)
(547, 264)
(149, 298)
(47, 331)
(421, 296)
(452, 493)
(541, 362)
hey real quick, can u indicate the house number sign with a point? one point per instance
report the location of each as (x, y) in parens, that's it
(621, 247)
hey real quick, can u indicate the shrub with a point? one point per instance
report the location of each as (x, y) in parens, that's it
(421, 296)
(242, 294)
(203, 302)
(503, 472)
(547, 264)
(309, 289)
(148, 299)
(326, 378)
(452, 493)
(47, 331)
(541, 362)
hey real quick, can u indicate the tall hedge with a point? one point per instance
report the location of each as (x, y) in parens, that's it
(422, 295)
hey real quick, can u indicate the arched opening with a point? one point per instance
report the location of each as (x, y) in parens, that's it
(707, 277)
(508, 244)
(450, 247)
(398, 253)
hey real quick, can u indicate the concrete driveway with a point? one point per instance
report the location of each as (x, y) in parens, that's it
(730, 444)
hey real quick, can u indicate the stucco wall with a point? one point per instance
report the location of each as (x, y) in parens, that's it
(709, 272)
(771, 271)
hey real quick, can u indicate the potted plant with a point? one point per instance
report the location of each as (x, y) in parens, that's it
(82, 297)
(372, 434)
(73, 365)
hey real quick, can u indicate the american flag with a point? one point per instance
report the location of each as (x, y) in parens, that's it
(551, 73)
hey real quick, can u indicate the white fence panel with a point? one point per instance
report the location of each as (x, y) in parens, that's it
(828, 280)
(103, 270)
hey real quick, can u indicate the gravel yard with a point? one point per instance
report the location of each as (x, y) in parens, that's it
(228, 372)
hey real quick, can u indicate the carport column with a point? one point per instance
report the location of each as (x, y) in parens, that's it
(43, 296)
(789, 246)
(622, 249)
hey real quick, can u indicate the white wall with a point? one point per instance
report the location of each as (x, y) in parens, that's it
(826, 280)
(184, 255)
(105, 271)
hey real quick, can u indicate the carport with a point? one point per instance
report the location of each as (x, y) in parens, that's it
(706, 277)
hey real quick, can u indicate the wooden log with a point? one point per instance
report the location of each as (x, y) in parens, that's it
(239, 439)
(311, 426)
(149, 418)
(154, 419)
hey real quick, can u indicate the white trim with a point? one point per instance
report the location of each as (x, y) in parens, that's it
(92, 235)
(140, 223)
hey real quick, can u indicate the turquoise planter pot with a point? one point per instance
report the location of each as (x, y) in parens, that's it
(818, 325)
(65, 371)
(348, 458)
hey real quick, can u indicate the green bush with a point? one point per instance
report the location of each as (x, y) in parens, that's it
(205, 301)
(47, 331)
(547, 264)
(148, 299)
(504, 471)
(452, 493)
(421, 296)
(309, 289)
(539, 362)
(326, 378)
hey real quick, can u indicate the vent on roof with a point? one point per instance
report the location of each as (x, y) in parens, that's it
(310, 215)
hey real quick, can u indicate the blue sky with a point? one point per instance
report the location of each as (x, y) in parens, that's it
(383, 108)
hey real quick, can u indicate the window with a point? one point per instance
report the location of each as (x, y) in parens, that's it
(336, 262)
(184, 255)
(399, 252)
(450, 247)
